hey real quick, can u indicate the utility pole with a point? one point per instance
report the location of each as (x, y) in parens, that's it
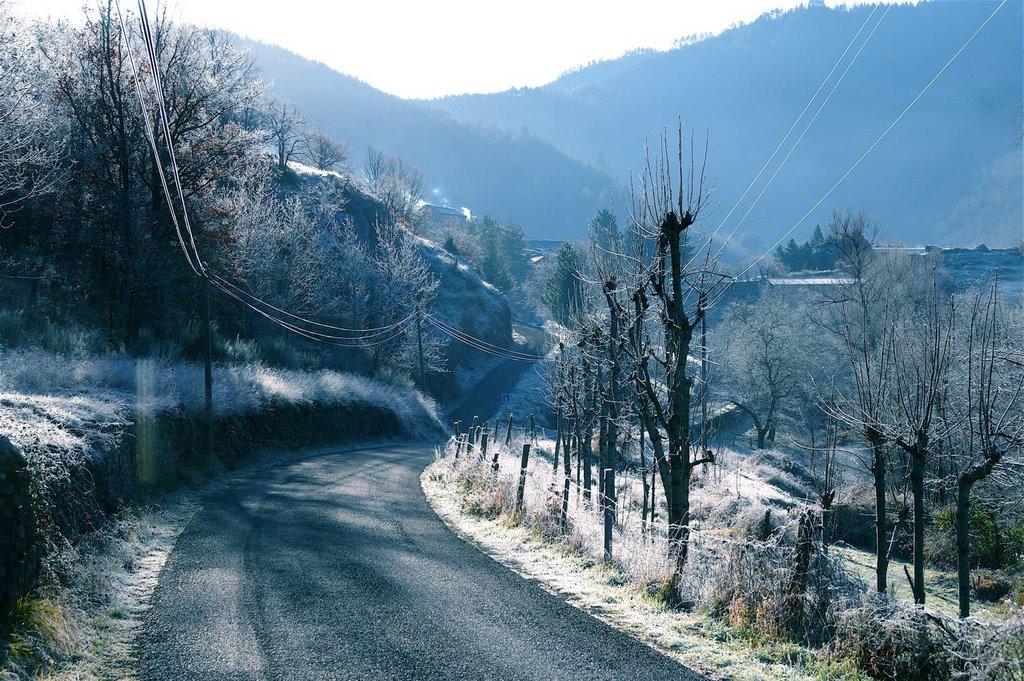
(419, 340)
(208, 368)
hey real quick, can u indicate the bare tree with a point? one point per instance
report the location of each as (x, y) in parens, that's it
(323, 151)
(395, 183)
(854, 313)
(985, 426)
(920, 358)
(284, 123)
(759, 361)
(29, 145)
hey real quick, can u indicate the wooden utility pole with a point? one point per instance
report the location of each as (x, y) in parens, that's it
(208, 368)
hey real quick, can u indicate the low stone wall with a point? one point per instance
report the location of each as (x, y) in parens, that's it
(19, 546)
(152, 455)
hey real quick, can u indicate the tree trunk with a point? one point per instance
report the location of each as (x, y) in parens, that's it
(609, 511)
(963, 546)
(881, 544)
(679, 512)
(917, 463)
(586, 452)
(567, 470)
(558, 436)
(647, 487)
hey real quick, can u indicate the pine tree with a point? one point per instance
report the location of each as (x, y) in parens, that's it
(563, 293)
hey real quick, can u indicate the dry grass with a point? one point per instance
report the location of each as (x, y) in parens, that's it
(83, 622)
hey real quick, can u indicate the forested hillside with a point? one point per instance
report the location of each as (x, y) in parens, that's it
(511, 174)
(101, 247)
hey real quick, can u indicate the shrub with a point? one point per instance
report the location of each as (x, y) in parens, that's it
(991, 586)
(889, 640)
(993, 545)
(281, 353)
(69, 340)
(148, 344)
(241, 351)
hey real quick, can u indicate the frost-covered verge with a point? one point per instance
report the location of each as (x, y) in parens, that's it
(105, 436)
(732, 615)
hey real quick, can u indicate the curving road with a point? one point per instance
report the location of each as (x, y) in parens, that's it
(335, 567)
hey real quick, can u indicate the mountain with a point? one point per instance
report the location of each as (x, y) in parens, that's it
(509, 174)
(949, 173)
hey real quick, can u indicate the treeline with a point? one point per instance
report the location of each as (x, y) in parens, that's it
(89, 240)
(817, 253)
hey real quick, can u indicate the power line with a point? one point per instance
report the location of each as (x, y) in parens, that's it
(792, 127)
(193, 256)
(828, 97)
(869, 149)
(368, 332)
(151, 138)
(161, 101)
(479, 343)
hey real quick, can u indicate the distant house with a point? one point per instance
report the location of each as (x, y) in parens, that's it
(437, 217)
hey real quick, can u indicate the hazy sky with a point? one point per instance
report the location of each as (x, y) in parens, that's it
(432, 48)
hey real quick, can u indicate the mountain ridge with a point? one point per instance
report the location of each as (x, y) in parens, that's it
(949, 174)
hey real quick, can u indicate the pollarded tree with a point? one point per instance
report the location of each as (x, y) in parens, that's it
(667, 205)
(920, 352)
(877, 290)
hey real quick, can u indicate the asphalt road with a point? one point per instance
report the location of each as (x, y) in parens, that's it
(335, 567)
(484, 400)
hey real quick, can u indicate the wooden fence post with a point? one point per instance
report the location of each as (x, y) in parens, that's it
(483, 445)
(508, 433)
(521, 491)
(608, 498)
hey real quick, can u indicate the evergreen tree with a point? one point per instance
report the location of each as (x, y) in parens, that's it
(563, 293)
